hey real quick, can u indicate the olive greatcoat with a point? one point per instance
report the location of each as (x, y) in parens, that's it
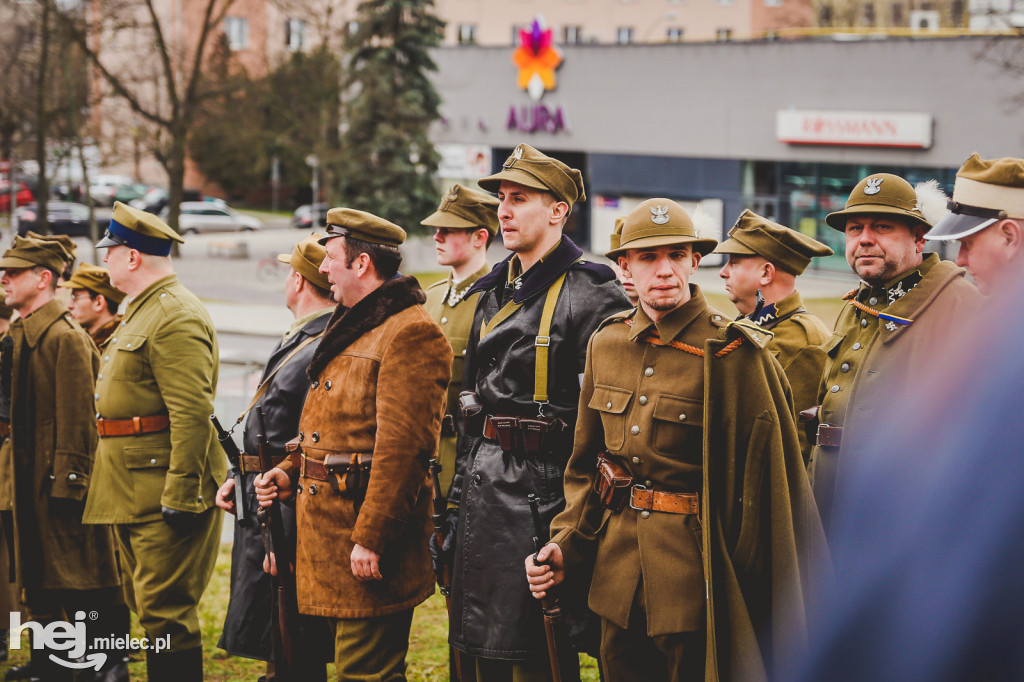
(51, 456)
(453, 310)
(796, 344)
(379, 379)
(722, 427)
(865, 352)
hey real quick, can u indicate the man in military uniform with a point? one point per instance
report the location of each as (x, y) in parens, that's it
(369, 426)
(987, 217)
(281, 393)
(94, 302)
(681, 406)
(626, 280)
(526, 353)
(62, 566)
(764, 256)
(907, 302)
(158, 465)
(464, 225)
(8, 597)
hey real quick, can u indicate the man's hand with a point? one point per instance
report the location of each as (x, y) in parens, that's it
(270, 564)
(365, 564)
(441, 557)
(273, 485)
(542, 577)
(225, 498)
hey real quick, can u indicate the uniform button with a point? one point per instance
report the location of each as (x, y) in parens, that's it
(476, 478)
(636, 460)
(99, 376)
(643, 400)
(845, 367)
(463, 352)
(301, 436)
(162, 295)
(835, 389)
(200, 498)
(872, 301)
(106, 359)
(608, 405)
(152, 461)
(635, 430)
(649, 372)
(312, 488)
(315, 437)
(298, 489)
(718, 318)
(647, 484)
(72, 477)
(113, 340)
(493, 362)
(52, 477)
(856, 346)
(315, 384)
(96, 396)
(128, 345)
(327, 385)
(645, 515)
(682, 417)
(444, 320)
(864, 322)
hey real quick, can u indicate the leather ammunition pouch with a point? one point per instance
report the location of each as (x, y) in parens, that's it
(251, 463)
(612, 484)
(829, 436)
(532, 435)
(472, 411)
(348, 473)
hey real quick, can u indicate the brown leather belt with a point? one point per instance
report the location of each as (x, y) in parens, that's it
(313, 468)
(5, 429)
(829, 436)
(251, 463)
(133, 426)
(643, 499)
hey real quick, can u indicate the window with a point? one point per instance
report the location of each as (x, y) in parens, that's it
(624, 35)
(723, 35)
(572, 35)
(897, 14)
(467, 34)
(956, 11)
(825, 15)
(294, 34)
(869, 14)
(237, 31)
(674, 34)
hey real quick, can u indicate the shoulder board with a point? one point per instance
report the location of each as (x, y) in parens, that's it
(813, 327)
(602, 272)
(850, 294)
(718, 318)
(759, 337)
(618, 317)
(438, 283)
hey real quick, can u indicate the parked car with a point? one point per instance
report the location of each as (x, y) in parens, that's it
(128, 192)
(104, 188)
(23, 195)
(156, 199)
(212, 216)
(303, 218)
(64, 217)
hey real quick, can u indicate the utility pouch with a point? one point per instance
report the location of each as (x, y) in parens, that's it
(540, 433)
(472, 411)
(293, 452)
(612, 484)
(351, 477)
(506, 432)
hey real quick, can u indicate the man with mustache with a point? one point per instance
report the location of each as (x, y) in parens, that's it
(907, 301)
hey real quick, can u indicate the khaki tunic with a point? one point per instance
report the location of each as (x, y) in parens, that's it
(796, 344)
(865, 352)
(453, 311)
(163, 360)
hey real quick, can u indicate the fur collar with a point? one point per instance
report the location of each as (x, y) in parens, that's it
(348, 324)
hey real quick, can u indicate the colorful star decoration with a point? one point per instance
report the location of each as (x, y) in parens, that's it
(537, 58)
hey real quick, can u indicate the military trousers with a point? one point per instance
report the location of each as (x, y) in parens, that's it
(371, 649)
(165, 573)
(494, 670)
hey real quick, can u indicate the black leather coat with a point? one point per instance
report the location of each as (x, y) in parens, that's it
(492, 612)
(247, 623)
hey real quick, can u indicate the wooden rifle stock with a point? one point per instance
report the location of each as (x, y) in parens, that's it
(565, 662)
(283, 597)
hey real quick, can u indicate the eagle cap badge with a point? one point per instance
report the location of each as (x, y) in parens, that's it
(874, 186)
(659, 215)
(517, 154)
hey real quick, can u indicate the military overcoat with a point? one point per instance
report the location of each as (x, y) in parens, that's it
(163, 359)
(53, 441)
(866, 351)
(379, 377)
(453, 310)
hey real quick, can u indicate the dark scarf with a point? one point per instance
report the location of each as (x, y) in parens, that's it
(348, 324)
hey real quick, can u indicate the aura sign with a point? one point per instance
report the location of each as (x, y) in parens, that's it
(537, 58)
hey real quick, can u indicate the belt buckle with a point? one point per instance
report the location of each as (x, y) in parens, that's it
(632, 492)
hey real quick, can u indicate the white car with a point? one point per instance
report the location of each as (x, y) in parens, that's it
(212, 216)
(104, 187)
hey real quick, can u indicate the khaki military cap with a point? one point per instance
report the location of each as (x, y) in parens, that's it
(96, 280)
(659, 222)
(6, 311)
(27, 252)
(755, 235)
(616, 237)
(65, 241)
(881, 193)
(531, 168)
(306, 258)
(465, 209)
(984, 193)
(139, 230)
(362, 225)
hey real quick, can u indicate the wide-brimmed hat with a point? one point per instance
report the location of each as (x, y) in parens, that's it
(94, 279)
(881, 193)
(984, 193)
(755, 235)
(465, 209)
(306, 258)
(531, 168)
(659, 222)
(342, 222)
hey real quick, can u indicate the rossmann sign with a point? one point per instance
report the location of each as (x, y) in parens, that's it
(909, 130)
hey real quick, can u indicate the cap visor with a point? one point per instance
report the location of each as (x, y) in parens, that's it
(492, 183)
(445, 219)
(958, 225)
(106, 243)
(701, 246)
(284, 258)
(13, 262)
(837, 220)
(731, 246)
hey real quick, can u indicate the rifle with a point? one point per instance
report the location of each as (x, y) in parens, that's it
(565, 662)
(235, 458)
(444, 580)
(283, 597)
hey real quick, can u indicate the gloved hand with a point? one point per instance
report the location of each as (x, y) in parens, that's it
(441, 557)
(181, 521)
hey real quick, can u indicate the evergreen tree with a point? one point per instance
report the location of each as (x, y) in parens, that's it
(387, 162)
